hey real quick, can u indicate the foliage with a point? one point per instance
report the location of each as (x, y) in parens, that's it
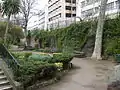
(76, 35)
(14, 33)
(111, 38)
(63, 57)
(10, 7)
(40, 57)
(55, 58)
(70, 37)
(32, 70)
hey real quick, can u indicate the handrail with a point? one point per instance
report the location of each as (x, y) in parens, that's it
(8, 57)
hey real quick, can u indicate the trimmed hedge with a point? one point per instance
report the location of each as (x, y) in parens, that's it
(63, 58)
(36, 67)
(32, 71)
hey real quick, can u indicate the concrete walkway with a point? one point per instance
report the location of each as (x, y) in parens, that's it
(91, 76)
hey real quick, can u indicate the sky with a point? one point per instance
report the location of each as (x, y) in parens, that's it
(39, 5)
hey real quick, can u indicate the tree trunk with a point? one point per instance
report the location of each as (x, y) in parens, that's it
(6, 31)
(25, 30)
(99, 32)
(119, 7)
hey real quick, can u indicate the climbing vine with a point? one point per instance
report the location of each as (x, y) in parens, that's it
(72, 37)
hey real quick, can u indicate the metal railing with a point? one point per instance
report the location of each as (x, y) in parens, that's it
(8, 58)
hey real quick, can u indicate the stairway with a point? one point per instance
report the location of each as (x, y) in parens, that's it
(7, 81)
(4, 82)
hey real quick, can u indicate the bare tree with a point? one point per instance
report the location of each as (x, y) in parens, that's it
(99, 32)
(27, 7)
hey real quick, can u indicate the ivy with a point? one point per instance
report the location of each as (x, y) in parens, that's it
(71, 37)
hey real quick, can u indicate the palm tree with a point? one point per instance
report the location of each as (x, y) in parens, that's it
(9, 7)
(99, 32)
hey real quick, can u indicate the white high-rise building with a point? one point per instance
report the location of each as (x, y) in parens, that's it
(1, 9)
(43, 18)
(90, 8)
(61, 13)
(40, 20)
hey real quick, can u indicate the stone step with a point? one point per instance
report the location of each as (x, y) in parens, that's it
(2, 77)
(0, 69)
(1, 73)
(7, 87)
(4, 83)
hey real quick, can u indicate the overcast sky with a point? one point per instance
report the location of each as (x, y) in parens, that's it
(40, 4)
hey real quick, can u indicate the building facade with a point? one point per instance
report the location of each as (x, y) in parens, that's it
(1, 10)
(61, 13)
(90, 8)
(40, 20)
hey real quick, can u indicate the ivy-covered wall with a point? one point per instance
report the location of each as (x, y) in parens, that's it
(111, 37)
(69, 38)
(78, 34)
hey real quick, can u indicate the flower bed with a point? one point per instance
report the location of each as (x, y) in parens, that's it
(35, 67)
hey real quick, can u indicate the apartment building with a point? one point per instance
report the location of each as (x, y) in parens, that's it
(40, 20)
(0, 9)
(61, 13)
(43, 19)
(90, 8)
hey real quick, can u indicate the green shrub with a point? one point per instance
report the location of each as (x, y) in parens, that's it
(33, 71)
(111, 37)
(15, 33)
(40, 57)
(73, 36)
(64, 58)
(27, 54)
(35, 67)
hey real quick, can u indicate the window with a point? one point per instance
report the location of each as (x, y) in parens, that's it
(83, 13)
(110, 6)
(55, 17)
(0, 7)
(74, 1)
(83, 4)
(96, 10)
(88, 2)
(50, 19)
(54, 3)
(68, 14)
(117, 5)
(74, 8)
(74, 15)
(54, 9)
(68, 7)
(68, 1)
(89, 12)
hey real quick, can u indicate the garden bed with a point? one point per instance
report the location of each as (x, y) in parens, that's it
(35, 67)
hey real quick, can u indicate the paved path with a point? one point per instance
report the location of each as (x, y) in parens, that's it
(91, 76)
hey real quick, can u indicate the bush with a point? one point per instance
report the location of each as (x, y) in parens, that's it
(63, 57)
(40, 57)
(32, 71)
(15, 33)
(73, 36)
(21, 55)
(111, 38)
(35, 67)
